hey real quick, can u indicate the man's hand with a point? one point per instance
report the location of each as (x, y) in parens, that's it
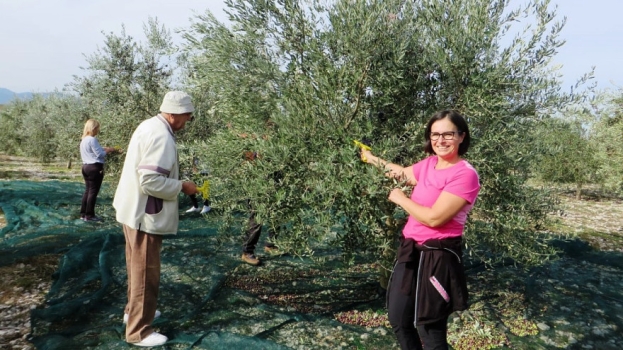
(189, 187)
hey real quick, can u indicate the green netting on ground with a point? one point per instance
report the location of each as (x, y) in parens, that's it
(208, 298)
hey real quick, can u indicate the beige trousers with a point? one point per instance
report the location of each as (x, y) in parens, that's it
(142, 258)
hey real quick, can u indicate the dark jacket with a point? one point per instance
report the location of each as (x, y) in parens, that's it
(440, 286)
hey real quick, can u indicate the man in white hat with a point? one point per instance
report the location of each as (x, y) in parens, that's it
(146, 202)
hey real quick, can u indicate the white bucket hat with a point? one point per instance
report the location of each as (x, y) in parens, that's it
(176, 102)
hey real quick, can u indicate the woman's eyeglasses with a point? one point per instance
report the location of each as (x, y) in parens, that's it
(448, 135)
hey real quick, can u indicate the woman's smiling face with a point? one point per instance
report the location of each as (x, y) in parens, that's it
(445, 138)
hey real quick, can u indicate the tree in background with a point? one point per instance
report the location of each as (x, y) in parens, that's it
(10, 123)
(124, 85)
(565, 154)
(44, 127)
(606, 135)
(302, 80)
(125, 81)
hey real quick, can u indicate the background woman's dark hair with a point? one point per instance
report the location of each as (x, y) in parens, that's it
(457, 120)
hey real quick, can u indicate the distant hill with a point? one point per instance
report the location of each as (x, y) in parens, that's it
(7, 95)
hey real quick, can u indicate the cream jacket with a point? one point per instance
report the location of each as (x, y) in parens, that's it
(147, 195)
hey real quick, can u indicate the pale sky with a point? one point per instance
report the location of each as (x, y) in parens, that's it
(42, 42)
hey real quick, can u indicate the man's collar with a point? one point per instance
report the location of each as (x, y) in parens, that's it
(166, 122)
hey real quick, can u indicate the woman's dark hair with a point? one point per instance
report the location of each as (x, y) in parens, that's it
(456, 119)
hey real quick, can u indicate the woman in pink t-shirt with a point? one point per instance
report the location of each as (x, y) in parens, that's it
(428, 282)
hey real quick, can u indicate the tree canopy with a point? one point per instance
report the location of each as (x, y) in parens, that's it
(300, 80)
(284, 88)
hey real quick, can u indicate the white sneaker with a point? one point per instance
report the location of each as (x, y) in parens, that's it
(153, 339)
(205, 209)
(192, 210)
(126, 316)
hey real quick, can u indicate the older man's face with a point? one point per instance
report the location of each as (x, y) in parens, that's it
(179, 120)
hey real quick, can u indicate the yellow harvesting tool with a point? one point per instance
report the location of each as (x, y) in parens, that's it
(204, 190)
(363, 147)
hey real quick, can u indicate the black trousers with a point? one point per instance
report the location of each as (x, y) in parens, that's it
(193, 198)
(401, 313)
(93, 175)
(252, 236)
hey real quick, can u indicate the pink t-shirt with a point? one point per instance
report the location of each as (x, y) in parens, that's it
(460, 179)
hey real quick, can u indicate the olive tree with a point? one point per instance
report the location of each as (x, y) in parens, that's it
(565, 154)
(297, 81)
(10, 122)
(46, 127)
(605, 135)
(125, 81)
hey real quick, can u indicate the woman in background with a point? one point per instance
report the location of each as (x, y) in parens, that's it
(92, 155)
